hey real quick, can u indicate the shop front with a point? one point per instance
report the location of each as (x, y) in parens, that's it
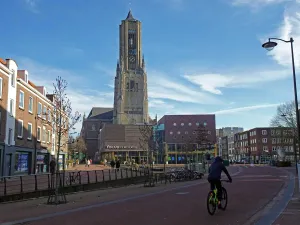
(42, 161)
(22, 162)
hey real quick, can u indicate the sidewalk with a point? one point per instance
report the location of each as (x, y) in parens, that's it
(83, 167)
(291, 214)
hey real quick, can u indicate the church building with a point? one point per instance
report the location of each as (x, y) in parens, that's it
(115, 132)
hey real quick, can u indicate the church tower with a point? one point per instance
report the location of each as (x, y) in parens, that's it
(131, 94)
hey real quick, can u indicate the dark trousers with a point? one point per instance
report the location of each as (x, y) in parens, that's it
(216, 184)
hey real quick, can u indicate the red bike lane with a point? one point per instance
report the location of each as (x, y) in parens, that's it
(249, 192)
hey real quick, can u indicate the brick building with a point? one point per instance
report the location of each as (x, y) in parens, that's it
(27, 134)
(91, 126)
(263, 144)
(179, 131)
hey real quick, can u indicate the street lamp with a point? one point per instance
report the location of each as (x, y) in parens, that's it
(269, 46)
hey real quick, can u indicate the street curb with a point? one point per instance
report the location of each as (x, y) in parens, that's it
(266, 215)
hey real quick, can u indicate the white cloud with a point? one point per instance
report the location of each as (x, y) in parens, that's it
(73, 51)
(161, 86)
(159, 104)
(82, 99)
(255, 3)
(32, 5)
(214, 82)
(245, 109)
(290, 27)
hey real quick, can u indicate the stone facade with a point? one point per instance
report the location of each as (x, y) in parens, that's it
(131, 94)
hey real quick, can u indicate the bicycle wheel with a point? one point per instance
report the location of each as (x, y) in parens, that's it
(224, 199)
(210, 203)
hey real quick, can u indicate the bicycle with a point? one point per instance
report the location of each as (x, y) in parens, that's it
(72, 178)
(212, 199)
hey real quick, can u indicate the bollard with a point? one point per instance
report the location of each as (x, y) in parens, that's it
(96, 181)
(21, 179)
(35, 185)
(88, 175)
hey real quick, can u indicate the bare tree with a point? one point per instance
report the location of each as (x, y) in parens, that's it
(286, 121)
(63, 121)
(188, 145)
(285, 116)
(76, 145)
(147, 142)
(202, 139)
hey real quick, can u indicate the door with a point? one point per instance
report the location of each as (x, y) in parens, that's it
(8, 159)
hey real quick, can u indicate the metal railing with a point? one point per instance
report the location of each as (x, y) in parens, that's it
(22, 184)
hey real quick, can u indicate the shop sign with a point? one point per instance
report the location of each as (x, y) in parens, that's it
(119, 147)
(43, 151)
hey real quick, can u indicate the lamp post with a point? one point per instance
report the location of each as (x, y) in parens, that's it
(269, 46)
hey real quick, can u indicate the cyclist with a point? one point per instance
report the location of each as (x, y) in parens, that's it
(214, 176)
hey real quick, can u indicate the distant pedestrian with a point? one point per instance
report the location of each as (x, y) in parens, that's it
(118, 165)
(88, 162)
(112, 163)
(52, 166)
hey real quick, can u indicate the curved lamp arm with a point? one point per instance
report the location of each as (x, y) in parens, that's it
(291, 40)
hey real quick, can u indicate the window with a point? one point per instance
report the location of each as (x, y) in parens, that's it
(182, 124)
(178, 132)
(171, 132)
(274, 148)
(49, 136)
(190, 124)
(21, 100)
(197, 124)
(30, 104)
(20, 128)
(44, 134)
(49, 115)
(264, 132)
(273, 140)
(205, 124)
(208, 132)
(13, 78)
(11, 108)
(265, 148)
(26, 78)
(39, 109)
(38, 136)
(29, 130)
(174, 124)
(264, 140)
(272, 132)
(1, 84)
(45, 113)
(186, 132)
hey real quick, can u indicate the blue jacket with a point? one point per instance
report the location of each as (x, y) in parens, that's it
(215, 170)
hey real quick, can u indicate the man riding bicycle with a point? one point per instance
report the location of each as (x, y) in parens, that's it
(214, 176)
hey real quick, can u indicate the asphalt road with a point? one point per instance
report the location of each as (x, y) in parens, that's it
(250, 191)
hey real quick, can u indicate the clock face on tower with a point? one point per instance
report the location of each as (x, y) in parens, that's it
(132, 59)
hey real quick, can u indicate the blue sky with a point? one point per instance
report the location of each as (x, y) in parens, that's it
(201, 56)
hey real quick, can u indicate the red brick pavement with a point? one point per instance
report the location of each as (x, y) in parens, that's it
(172, 207)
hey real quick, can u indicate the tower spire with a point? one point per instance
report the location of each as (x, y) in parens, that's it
(129, 15)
